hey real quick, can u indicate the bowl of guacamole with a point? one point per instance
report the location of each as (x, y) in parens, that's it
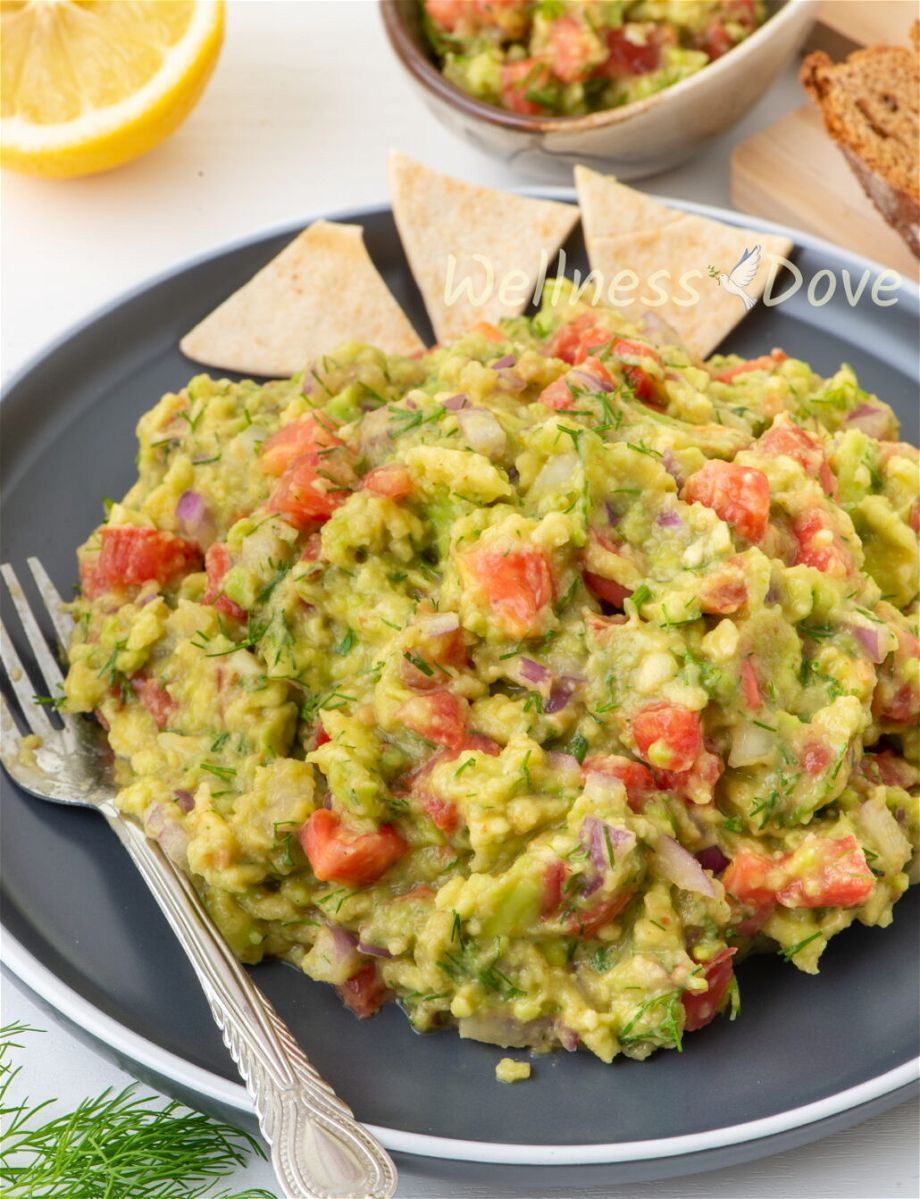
(529, 683)
(633, 84)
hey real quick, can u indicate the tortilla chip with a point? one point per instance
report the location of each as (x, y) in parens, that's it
(609, 208)
(457, 233)
(321, 290)
(680, 247)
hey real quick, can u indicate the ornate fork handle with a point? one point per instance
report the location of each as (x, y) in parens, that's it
(318, 1148)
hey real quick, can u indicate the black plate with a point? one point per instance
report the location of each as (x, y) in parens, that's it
(74, 904)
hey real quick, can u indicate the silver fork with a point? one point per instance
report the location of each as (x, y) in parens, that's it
(318, 1148)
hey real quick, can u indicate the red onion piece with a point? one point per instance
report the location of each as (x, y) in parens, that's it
(712, 858)
(587, 381)
(344, 941)
(870, 419)
(195, 518)
(681, 868)
(184, 800)
(613, 517)
(871, 642)
(560, 694)
(669, 462)
(568, 1038)
(373, 951)
(499, 363)
(440, 625)
(533, 671)
(560, 761)
(454, 403)
(511, 380)
(594, 836)
(670, 520)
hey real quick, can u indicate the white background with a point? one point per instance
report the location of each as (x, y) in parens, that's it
(305, 103)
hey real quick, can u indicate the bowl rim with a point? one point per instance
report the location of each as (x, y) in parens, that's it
(432, 79)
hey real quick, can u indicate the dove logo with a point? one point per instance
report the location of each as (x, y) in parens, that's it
(740, 276)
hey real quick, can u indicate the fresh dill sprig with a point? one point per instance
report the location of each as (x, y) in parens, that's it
(117, 1146)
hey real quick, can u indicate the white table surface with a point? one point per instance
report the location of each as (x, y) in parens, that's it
(298, 119)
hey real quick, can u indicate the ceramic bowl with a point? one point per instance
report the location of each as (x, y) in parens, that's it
(638, 139)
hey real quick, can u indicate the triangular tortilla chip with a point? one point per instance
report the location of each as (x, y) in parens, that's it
(453, 232)
(321, 290)
(686, 248)
(609, 208)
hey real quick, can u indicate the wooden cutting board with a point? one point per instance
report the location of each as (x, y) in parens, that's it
(792, 172)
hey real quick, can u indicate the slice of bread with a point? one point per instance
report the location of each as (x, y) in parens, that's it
(870, 105)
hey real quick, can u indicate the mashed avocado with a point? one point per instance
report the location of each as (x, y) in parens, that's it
(531, 682)
(568, 57)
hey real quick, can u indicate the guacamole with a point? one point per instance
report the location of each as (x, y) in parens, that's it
(530, 682)
(567, 57)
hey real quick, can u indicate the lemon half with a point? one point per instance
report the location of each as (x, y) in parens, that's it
(88, 84)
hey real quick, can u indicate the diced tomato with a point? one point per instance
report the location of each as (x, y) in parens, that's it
(589, 922)
(568, 342)
(626, 57)
(392, 480)
(592, 340)
(311, 489)
(558, 395)
(786, 437)
(765, 362)
(607, 590)
(443, 813)
(158, 702)
(473, 15)
(914, 519)
(433, 651)
(520, 81)
(822, 872)
(645, 387)
(700, 1009)
(338, 854)
(668, 736)
(554, 875)
(439, 717)
(322, 737)
(750, 685)
(818, 545)
(740, 495)
(489, 331)
(217, 562)
(364, 993)
(635, 777)
(131, 556)
(696, 784)
(724, 591)
(305, 436)
(816, 757)
(717, 41)
(624, 348)
(518, 586)
(571, 47)
(897, 695)
(888, 768)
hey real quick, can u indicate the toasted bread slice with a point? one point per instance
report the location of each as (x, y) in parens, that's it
(870, 108)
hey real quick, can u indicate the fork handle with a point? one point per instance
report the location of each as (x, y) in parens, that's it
(318, 1148)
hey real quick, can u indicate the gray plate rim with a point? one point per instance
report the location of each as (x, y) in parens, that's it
(124, 1042)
